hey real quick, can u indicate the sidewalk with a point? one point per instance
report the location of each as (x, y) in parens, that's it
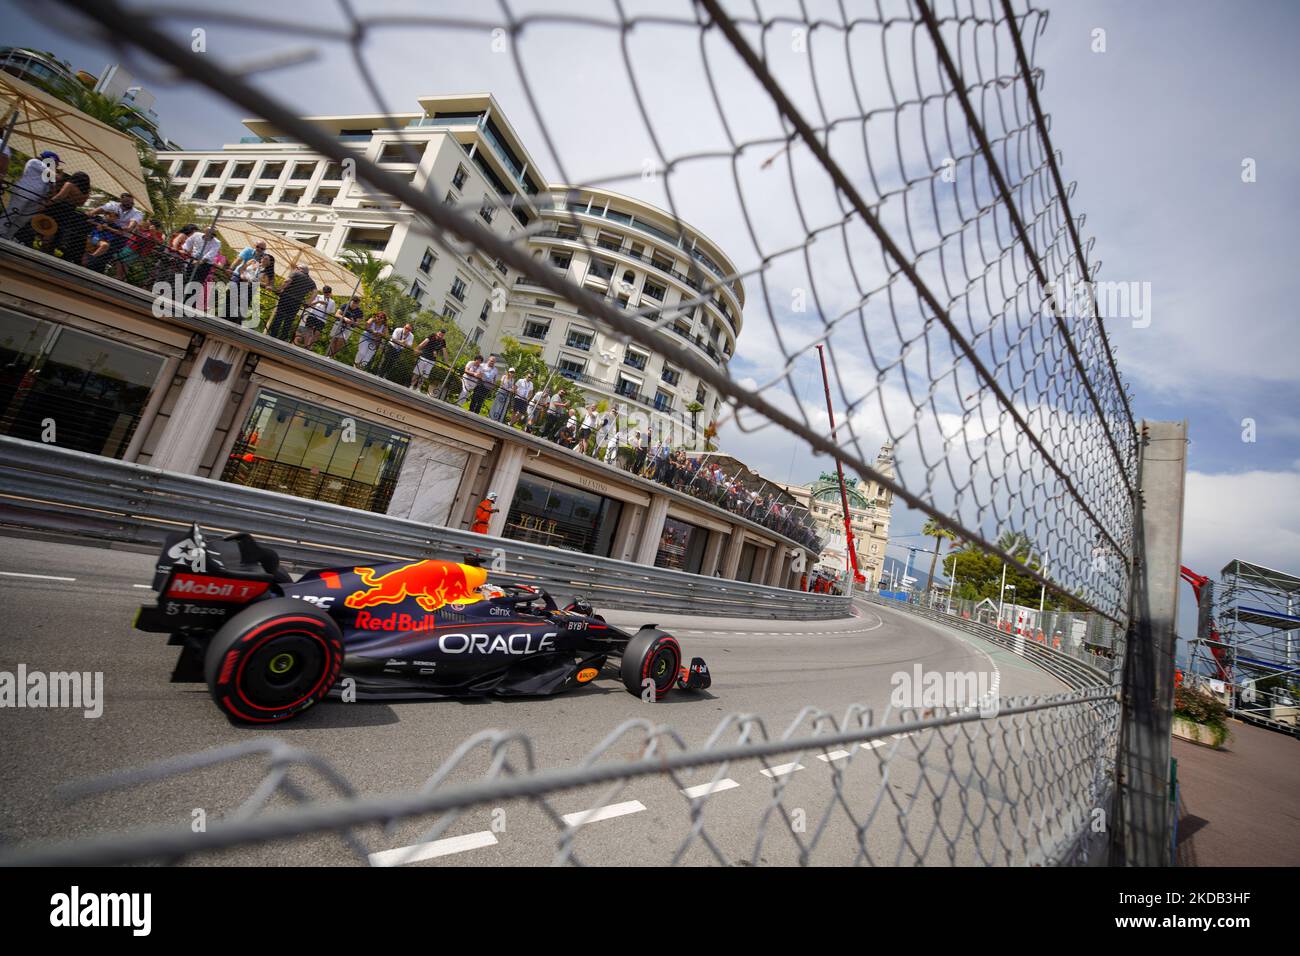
(1239, 806)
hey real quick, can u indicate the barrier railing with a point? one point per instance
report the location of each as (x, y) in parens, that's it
(51, 489)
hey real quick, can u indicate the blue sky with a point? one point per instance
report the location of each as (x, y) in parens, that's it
(1154, 129)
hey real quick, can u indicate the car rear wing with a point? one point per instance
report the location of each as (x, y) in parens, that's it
(201, 582)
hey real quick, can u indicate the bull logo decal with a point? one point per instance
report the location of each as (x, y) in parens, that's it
(433, 584)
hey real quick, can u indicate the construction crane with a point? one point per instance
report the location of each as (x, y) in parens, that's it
(858, 576)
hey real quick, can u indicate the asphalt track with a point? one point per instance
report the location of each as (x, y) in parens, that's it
(70, 607)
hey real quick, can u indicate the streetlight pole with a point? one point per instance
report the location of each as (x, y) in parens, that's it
(1002, 591)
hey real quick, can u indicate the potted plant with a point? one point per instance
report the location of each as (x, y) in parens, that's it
(1199, 716)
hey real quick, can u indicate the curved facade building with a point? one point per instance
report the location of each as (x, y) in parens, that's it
(644, 261)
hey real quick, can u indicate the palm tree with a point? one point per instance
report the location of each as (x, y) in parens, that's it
(933, 529)
(1016, 544)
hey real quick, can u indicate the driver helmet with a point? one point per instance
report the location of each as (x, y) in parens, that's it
(581, 605)
(491, 591)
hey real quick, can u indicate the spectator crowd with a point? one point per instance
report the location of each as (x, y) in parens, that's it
(50, 210)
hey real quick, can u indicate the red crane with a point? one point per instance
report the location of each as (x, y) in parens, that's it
(1198, 583)
(839, 468)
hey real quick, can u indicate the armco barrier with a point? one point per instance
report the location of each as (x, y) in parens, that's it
(50, 489)
(1075, 672)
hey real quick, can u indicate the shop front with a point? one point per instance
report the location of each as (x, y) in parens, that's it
(561, 515)
(300, 448)
(71, 388)
(682, 546)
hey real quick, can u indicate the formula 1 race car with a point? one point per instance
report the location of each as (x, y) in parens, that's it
(270, 647)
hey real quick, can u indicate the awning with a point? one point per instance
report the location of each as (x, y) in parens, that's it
(240, 233)
(83, 143)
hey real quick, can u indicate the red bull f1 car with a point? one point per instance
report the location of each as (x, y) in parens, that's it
(270, 647)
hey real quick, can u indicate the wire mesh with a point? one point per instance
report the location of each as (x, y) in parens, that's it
(892, 174)
(1026, 783)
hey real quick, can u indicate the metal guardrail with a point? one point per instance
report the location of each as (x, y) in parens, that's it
(52, 489)
(1078, 674)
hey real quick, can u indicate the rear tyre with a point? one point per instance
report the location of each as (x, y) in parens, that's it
(272, 661)
(652, 656)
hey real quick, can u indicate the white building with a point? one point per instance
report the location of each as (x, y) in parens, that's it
(463, 150)
(870, 507)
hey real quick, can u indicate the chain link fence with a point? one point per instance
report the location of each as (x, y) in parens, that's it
(894, 196)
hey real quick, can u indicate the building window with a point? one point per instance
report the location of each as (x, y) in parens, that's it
(417, 292)
(536, 329)
(561, 260)
(298, 448)
(271, 171)
(670, 375)
(501, 267)
(701, 393)
(628, 387)
(333, 172)
(600, 269)
(302, 171)
(607, 241)
(450, 312)
(256, 196)
(661, 262)
(458, 181)
(483, 312)
(94, 389)
(231, 193)
(552, 513)
(213, 170)
(571, 368)
(635, 359)
(458, 288)
(579, 339)
(325, 196)
(477, 337)
(393, 153)
(663, 400)
(427, 260)
(485, 211)
(450, 198)
(653, 290)
(241, 171)
(681, 546)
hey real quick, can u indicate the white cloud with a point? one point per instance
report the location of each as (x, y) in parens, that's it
(1253, 515)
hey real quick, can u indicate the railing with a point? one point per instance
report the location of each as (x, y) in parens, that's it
(49, 489)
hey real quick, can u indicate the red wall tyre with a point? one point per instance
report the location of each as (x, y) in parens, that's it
(651, 655)
(273, 660)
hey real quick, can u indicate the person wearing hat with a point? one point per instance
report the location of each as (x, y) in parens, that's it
(29, 192)
(484, 512)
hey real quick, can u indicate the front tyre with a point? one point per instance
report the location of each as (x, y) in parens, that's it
(654, 657)
(272, 661)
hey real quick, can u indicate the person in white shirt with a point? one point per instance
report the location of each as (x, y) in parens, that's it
(537, 407)
(314, 318)
(487, 379)
(202, 249)
(520, 407)
(467, 381)
(28, 192)
(128, 217)
(611, 447)
(402, 340)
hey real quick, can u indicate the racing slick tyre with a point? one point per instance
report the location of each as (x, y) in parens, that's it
(272, 661)
(651, 655)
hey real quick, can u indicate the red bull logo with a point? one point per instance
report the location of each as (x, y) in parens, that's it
(433, 584)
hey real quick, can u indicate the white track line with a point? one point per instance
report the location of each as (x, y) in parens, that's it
(784, 770)
(428, 851)
(834, 755)
(603, 813)
(874, 744)
(704, 789)
(147, 587)
(38, 577)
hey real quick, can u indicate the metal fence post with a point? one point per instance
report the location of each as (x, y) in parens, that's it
(1140, 836)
